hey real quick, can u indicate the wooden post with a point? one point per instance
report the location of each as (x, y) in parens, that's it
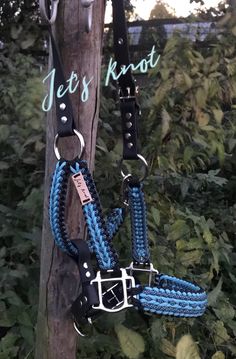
(59, 279)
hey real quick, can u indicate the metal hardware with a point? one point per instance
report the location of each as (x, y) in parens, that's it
(88, 274)
(123, 282)
(88, 10)
(127, 135)
(145, 168)
(124, 192)
(77, 329)
(128, 95)
(44, 5)
(62, 106)
(64, 119)
(147, 268)
(81, 142)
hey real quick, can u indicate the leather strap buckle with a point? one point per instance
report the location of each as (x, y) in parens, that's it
(127, 95)
(143, 268)
(113, 291)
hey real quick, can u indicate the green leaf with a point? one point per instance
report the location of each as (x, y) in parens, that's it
(187, 348)
(132, 343)
(28, 42)
(166, 119)
(201, 97)
(220, 333)
(28, 334)
(203, 119)
(4, 165)
(178, 230)
(156, 215)
(190, 258)
(208, 237)
(24, 319)
(4, 132)
(157, 330)
(214, 294)
(187, 79)
(15, 31)
(218, 115)
(218, 355)
(226, 312)
(188, 154)
(168, 348)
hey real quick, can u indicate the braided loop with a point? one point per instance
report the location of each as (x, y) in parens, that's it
(100, 232)
(114, 221)
(57, 209)
(140, 246)
(99, 237)
(173, 296)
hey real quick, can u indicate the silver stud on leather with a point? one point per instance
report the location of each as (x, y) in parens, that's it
(130, 145)
(88, 274)
(127, 135)
(62, 106)
(128, 124)
(85, 265)
(64, 119)
(128, 115)
(120, 41)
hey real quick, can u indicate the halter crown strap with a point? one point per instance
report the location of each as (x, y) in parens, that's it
(64, 111)
(128, 104)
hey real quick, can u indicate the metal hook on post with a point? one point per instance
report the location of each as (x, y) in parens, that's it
(88, 7)
(44, 6)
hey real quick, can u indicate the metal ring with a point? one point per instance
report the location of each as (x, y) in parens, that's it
(43, 5)
(145, 165)
(78, 331)
(81, 141)
(88, 7)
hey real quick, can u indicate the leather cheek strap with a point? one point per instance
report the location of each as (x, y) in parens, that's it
(129, 115)
(64, 112)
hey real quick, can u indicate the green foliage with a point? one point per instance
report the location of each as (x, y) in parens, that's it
(189, 139)
(22, 157)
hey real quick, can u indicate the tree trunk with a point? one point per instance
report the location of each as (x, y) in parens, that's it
(59, 279)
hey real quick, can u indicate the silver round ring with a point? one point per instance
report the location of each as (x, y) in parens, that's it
(81, 142)
(145, 166)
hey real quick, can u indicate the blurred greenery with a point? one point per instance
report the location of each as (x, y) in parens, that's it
(188, 136)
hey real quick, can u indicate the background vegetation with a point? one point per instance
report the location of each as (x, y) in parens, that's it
(188, 136)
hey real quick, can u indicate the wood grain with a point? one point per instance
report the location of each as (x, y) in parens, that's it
(59, 278)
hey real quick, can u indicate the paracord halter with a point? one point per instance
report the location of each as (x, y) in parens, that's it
(108, 287)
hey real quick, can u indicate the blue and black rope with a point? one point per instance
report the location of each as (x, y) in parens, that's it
(173, 296)
(140, 245)
(100, 231)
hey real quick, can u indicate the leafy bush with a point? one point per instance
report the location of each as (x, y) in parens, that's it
(188, 137)
(189, 140)
(21, 177)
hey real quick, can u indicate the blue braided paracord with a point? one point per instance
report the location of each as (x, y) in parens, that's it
(173, 296)
(56, 216)
(99, 237)
(114, 221)
(140, 246)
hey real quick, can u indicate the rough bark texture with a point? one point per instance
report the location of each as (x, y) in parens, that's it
(80, 52)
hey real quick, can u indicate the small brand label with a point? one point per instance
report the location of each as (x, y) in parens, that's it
(82, 189)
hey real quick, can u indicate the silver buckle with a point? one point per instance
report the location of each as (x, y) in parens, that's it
(151, 270)
(128, 96)
(122, 284)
